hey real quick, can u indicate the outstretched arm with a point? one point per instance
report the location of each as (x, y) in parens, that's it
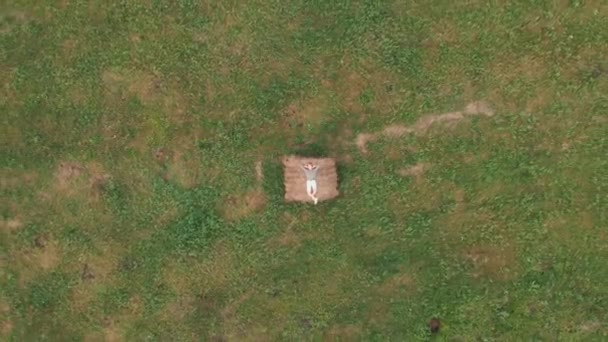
(315, 171)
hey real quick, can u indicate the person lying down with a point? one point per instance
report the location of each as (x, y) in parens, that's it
(311, 180)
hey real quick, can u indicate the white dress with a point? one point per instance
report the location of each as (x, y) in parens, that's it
(311, 182)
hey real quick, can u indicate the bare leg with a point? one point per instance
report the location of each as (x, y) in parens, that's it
(311, 190)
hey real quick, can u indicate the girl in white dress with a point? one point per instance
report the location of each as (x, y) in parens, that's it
(311, 180)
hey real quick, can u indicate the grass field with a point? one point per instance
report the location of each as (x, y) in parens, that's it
(142, 195)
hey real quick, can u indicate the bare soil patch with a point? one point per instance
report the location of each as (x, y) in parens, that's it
(112, 333)
(66, 171)
(74, 177)
(424, 124)
(401, 281)
(414, 171)
(259, 172)
(445, 31)
(590, 326)
(45, 254)
(176, 104)
(363, 139)
(43, 257)
(396, 131)
(459, 198)
(68, 48)
(497, 263)
(178, 279)
(178, 309)
(98, 178)
(6, 327)
(114, 326)
(11, 18)
(11, 224)
(97, 272)
(49, 256)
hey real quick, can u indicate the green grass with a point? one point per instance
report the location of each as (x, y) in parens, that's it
(131, 211)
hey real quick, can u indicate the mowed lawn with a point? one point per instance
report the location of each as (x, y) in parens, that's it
(141, 191)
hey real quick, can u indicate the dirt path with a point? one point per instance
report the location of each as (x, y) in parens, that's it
(423, 124)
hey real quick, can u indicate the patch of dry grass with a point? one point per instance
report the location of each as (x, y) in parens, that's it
(42, 258)
(493, 262)
(6, 325)
(97, 271)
